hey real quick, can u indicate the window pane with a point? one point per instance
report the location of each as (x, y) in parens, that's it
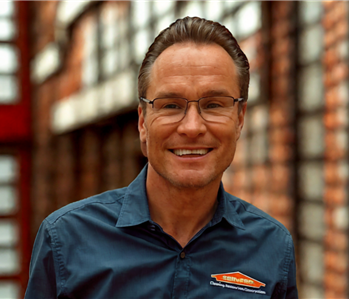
(124, 55)
(90, 38)
(68, 10)
(311, 87)
(259, 118)
(248, 19)
(6, 8)
(231, 25)
(9, 290)
(8, 89)
(310, 11)
(141, 45)
(310, 291)
(8, 168)
(109, 63)
(164, 22)
(193, 9)
(311, 180)
(230, 4)
(8, 233)
(343, 49)
(140, 13)
(311, 257)
(311, 219)
(214, 10)
(90, 70)
(311, 141)
(109, 35)
(9, 261)
(161, 7)
(109, 26)
(311, 41)
(8, 200)
(259, 147)
(122, 29)
(7, 29)
(254, 90)
(8, 59)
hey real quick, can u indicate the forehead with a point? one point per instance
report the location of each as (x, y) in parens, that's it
(196, 67)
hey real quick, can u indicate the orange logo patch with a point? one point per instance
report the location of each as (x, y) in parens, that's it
(239, 279)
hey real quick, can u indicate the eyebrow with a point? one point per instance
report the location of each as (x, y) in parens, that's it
(216, 92)
(169, 94)
(209, 93)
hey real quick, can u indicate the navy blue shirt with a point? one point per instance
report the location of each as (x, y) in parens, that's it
(107, 246)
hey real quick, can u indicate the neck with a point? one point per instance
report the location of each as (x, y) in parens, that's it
(181, 212)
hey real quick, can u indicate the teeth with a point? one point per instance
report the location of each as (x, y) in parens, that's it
(181, 152)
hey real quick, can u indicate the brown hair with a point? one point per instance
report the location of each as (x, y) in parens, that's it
(197, 30)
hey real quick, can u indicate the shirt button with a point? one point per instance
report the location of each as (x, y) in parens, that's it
(182, 255)
(152, 227)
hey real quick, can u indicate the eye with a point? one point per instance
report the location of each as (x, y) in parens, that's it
(171, 106)
(213, 105)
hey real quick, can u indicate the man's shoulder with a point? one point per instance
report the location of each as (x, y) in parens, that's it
(108, 202)
(248, 212)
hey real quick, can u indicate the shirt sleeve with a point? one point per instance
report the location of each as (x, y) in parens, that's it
(287, 289)
(42, 275)
(291, 291)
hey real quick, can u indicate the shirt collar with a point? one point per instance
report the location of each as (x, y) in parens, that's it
(135, 209)
(226, 209)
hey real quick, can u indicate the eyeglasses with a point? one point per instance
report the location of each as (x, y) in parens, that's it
(212, 109)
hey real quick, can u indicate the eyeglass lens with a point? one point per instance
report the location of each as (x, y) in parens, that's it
(214, 109)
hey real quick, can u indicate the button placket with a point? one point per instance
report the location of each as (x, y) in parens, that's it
(181, 277)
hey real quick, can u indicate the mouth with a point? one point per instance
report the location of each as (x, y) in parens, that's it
(196, 152)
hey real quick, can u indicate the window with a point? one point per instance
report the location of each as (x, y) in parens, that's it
(10, 258)
(14, 149)
(243, 19)
(8, 54)
(311, 148)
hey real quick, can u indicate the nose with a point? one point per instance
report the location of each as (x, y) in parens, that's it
(192, 124)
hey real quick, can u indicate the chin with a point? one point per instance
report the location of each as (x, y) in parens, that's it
(192, 181)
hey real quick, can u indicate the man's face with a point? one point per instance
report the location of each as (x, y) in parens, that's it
(191, 71)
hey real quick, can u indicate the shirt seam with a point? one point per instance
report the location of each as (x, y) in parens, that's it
(287, 262)
(265, 218)
(83, 206)
(283, 285)
(57, 255)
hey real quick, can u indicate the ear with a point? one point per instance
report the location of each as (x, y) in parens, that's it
(241, 119)
(142, 130)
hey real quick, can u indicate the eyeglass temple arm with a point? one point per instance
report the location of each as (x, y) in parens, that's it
(146, 100)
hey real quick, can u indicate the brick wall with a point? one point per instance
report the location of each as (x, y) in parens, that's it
(276, 186)
(281, 121)
(335, 62)
(89, 160)
(266, 179)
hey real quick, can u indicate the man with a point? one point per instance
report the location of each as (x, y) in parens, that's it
(174, 232)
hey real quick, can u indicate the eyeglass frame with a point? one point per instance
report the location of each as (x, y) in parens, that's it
(239, 100)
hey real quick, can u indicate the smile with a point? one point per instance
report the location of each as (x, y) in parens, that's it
(181, 152)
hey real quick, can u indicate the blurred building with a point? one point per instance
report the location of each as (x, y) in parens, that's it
(68, 118)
